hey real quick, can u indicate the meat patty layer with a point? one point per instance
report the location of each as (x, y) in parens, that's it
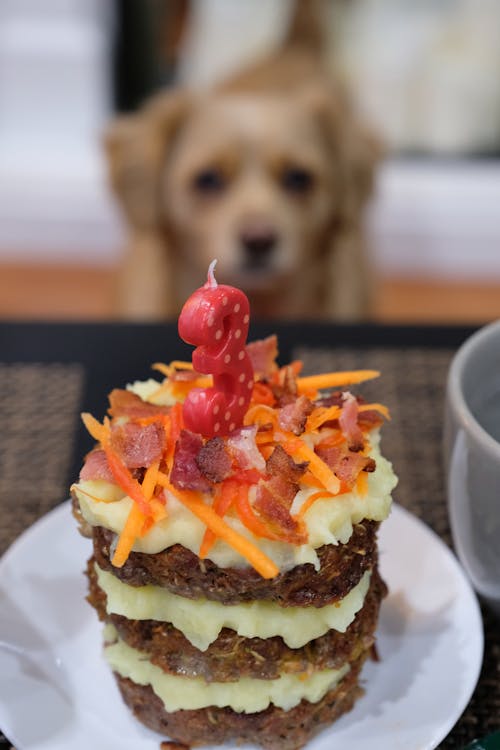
(231, 656)
(180, 571)
(273, 729)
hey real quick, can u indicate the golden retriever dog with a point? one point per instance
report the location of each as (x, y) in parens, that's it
(268, 172)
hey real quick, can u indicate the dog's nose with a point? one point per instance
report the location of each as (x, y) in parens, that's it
(258, 243)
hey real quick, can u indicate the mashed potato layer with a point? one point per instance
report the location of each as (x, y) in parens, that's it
(248, 695)
(201, 620)
(329, 520)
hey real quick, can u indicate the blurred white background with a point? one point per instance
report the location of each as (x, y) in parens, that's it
(425, 74)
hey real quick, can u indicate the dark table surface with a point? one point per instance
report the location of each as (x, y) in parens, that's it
(49, 373)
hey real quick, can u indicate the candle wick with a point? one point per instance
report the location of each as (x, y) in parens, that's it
(211, 280)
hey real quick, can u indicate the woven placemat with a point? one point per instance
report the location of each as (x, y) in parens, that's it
(39, 412)
(38, 418)
(413, 387)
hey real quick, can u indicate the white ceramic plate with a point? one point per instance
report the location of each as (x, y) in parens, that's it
(57, 694)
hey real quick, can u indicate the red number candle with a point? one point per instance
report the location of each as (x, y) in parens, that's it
(215, 320)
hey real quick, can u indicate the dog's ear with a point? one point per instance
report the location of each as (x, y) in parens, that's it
(354, 150)
(136, 147)
(353, 155)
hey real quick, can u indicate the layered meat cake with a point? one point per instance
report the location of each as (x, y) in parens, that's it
(237, 575)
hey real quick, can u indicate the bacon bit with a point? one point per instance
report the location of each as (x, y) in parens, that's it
(185, 473)
(124, 403)
(317, 467)
(275, 511)
(293, 416)
(376, 408)
(281, 465)
(311, 500)
(263, 354)
(243, 447)
(285, 385)
(275, 496)
(370, 419)
(213, 460)
(345, 464)
(249, 518)
(348, 422)
(120, 472)
(96, 467)
(126, 481)
(263, 394)
(262, 564)
(334, 379)
(138, 446)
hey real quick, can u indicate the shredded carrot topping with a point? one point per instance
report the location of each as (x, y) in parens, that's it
(311, 500)
(263, 564)
(334, 379)
(261, 414)
(98, 431)
(129, 534)
(223, 501)
(232, 494)
(250, 519)
(89, 494)
(126, 481)
(321, 415)
(263, 394)
(317, 467)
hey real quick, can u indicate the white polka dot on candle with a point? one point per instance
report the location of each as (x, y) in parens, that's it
(210, 321)
(217, 427)
(218, 334)
(246, 319)
(225, 301)
(249, 385)
(241, 401)
(237, 333)
(237, 307)
(216, 410)
(241, 355)
(227, 416)
(231, 426)
(241, 377)
(227, 359)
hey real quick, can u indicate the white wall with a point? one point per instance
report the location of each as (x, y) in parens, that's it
(55, 96)
(438, 218)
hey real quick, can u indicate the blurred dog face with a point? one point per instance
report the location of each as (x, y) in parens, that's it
(272, 186)
(251, 181)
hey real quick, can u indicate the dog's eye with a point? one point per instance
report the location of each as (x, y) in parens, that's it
(209, 181)
(297, 180)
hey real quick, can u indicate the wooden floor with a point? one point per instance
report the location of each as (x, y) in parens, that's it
(74, 293)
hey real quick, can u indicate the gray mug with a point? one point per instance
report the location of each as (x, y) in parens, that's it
(472, 459)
